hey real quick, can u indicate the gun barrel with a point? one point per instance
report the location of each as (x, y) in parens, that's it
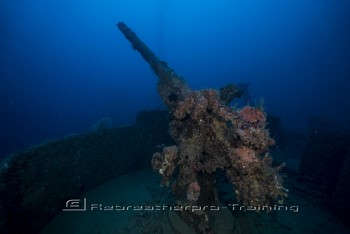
(171, 86)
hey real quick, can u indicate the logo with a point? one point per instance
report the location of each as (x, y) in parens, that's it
(75, 205)
(81, 205)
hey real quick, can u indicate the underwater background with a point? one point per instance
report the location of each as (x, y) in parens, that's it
(64, 65)
(81, 116)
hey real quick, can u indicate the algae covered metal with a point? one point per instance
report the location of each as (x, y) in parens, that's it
(210, 135)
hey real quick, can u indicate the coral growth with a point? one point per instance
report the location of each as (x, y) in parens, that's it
(252, 115)
(165, 162)
(210, 135)
(193, 191)
(230, 92)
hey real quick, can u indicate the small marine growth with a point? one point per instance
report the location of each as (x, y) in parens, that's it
(211, 135)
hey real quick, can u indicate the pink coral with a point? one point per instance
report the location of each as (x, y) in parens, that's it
(252, 114)
(245, 154)
(193, 191)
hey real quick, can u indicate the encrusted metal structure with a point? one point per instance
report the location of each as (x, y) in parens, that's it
(210, 135)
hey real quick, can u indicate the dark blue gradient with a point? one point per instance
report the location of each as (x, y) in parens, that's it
(64, 65)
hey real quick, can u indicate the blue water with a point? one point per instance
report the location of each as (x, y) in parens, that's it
(64, 65)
